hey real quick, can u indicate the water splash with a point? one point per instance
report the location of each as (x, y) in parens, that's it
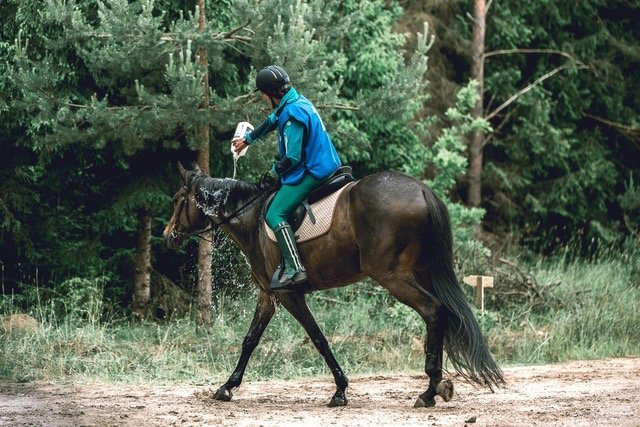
(230, 267)
(235, 166)
(214, 199)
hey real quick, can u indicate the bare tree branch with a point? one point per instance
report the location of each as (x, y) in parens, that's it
(338, 107)
(621, 127)
(124, 107)
(632, 133)
(527, 89)
(548, 51)
(497, 129)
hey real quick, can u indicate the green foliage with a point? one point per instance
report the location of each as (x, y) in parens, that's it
(562, 186)
(447, 161)
(447, 155)
(555, 166)
(350, 63)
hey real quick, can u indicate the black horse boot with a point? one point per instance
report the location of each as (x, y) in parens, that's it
(293, 273)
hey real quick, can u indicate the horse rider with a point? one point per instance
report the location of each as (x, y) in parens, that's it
(307, 157)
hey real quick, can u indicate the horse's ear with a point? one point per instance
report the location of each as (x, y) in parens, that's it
(183, 173)
(197, 170)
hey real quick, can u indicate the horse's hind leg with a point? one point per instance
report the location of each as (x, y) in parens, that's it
(434, 341)
(265, 308)
(434, 315)
(296, 305)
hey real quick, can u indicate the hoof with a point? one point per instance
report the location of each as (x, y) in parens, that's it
(223, 394)
(444, 389)
(338, 399)
(421, 403)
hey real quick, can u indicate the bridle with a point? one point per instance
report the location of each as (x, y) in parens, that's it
(184, 206)
(212, 224)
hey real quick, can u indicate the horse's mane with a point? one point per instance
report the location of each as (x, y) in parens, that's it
(231, 192)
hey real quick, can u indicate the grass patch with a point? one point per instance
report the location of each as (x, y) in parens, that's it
(595, 314)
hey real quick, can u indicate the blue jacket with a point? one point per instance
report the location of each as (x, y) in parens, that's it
(302, 135)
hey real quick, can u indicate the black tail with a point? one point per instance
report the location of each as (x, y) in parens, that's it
(463, 339)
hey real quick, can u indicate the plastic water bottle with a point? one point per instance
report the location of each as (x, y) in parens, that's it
(241, 129)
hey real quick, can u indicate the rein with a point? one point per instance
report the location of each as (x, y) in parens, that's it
(240, 209)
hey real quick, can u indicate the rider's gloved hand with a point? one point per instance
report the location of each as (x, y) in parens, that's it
(270, 179)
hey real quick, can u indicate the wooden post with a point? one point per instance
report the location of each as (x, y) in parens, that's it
(479, 282)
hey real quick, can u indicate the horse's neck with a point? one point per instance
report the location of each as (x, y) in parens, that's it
(242, 204)
(228, 193)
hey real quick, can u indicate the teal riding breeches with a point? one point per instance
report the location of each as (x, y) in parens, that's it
(287, 199)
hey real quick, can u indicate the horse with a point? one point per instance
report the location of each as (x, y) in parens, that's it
(386, 226)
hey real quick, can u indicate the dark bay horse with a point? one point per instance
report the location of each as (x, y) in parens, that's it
(387, 226)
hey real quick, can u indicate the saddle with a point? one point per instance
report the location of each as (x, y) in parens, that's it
(335, 182)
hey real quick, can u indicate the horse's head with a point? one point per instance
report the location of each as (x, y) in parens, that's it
(188, 218)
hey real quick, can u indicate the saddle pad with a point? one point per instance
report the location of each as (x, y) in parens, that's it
(323, 211)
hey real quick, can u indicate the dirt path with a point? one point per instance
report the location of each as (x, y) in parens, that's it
(572, 394)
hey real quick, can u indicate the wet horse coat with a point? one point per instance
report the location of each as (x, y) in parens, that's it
(387, 226)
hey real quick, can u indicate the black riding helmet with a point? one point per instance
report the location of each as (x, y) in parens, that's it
(272, 79)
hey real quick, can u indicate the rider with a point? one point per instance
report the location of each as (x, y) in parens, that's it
(307, 158)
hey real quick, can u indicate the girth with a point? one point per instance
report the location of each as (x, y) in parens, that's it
(339, 179)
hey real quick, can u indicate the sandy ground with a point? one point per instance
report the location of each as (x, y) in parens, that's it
(588, 393)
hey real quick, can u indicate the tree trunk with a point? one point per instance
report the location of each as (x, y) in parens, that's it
(474, 174)
(142, 277)
(202, 134)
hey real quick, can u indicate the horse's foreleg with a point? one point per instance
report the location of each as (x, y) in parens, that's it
(297, 306)
(265, 309)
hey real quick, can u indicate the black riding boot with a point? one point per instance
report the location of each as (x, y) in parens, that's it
(293, 273)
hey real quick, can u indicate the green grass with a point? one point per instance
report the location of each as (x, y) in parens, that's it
(596, 315)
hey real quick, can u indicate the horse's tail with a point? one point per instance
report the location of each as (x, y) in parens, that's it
(463, 338)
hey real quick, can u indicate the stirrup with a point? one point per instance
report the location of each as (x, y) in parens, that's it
(290, 284)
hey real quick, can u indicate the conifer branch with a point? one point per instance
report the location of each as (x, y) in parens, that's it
(124, 107)
(231, 34)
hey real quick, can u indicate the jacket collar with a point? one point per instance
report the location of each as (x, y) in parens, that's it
(291, 96)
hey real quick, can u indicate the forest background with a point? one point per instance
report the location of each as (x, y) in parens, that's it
(99, 100)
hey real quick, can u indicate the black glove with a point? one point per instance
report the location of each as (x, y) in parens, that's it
(269, 179)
